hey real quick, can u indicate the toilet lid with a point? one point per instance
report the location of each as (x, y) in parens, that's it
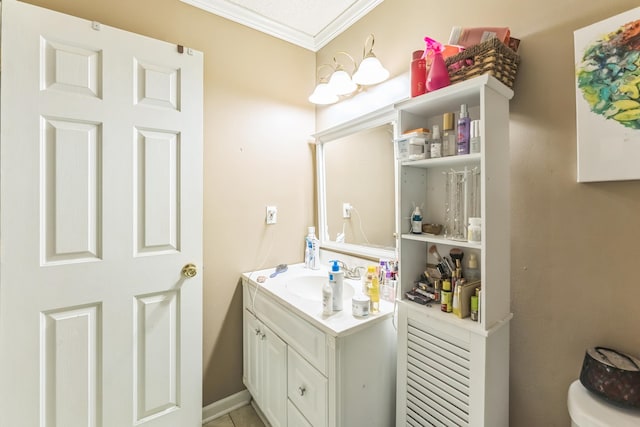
(588, 410)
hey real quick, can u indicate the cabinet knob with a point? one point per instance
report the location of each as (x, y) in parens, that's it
(258, 331)
(302, 390)
(263, 336)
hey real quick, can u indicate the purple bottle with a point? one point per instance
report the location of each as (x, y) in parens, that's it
(464, 125)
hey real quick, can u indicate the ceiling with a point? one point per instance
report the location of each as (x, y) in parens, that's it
(307, 23)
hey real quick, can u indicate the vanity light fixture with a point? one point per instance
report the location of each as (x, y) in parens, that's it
(323, 94)
(371, 71)
(341, 83)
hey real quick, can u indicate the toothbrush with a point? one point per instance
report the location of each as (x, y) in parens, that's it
(280, 268)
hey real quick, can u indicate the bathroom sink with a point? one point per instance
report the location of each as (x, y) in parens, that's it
(310, 287)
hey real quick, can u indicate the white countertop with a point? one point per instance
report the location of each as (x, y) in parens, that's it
(340, 323)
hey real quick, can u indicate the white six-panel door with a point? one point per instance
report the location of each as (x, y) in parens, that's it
(101, 207)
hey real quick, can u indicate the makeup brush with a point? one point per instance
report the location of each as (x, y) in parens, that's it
(434, 251)
(456, 254)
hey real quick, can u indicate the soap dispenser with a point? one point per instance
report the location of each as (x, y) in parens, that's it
(336, 279)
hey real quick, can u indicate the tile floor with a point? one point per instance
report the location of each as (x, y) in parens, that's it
(242, 417)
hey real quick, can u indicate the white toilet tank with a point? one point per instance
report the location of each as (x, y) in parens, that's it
(589, 410)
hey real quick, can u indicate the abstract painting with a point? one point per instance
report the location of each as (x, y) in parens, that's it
(607, 67)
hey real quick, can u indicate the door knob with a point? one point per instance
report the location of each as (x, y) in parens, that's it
(189, 270)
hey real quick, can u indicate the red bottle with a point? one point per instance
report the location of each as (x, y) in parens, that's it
(418, 73)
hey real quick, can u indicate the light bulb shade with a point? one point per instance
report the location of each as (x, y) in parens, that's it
(323, 95)
(370, 72)
(341, 83)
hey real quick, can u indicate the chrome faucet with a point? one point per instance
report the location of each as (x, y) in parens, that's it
(351, 273)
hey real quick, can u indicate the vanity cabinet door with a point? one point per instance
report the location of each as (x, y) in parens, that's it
(251, 359)
(274, 375)
(265, 369)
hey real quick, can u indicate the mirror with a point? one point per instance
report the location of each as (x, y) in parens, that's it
(356, 182)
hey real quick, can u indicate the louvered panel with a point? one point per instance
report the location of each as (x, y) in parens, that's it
(430, 414)
(456, 357)
(450, 407)
(440, 387)
(438, 372)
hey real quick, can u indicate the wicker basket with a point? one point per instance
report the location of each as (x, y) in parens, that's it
(491, 57)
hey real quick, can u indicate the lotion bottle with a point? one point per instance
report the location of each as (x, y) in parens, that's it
(336, 279)
(327, 299)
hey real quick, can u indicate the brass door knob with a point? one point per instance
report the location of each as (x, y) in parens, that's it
(189, 270)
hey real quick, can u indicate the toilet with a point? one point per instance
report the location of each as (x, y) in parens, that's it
(589, 410)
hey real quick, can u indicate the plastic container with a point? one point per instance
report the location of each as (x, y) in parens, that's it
(360, 305)
(312, 250)
(336, 279)
(416, 221)
(475, 230)
(418, 73)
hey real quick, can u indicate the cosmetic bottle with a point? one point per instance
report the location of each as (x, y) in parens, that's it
(416, 221)
(436, 143)
(418, 73)
(373, 289)
(449, 137)
(464, 123)
(336, 279)
(312, 250)
(474, 137)
(327, 299)
(472, 273)
(455, 300)
(446, 296)
(475, 230)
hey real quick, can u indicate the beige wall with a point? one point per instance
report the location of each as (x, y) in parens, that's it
(574, 246)
(256, 125)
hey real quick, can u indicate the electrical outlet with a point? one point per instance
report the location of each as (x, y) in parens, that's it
(272, 215)
(346, 210)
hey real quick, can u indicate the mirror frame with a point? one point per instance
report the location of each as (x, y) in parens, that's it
(382, 116)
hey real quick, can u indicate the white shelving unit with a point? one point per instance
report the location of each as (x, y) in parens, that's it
(454, 371)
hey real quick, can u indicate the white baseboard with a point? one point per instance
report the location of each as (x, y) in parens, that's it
(224, 406)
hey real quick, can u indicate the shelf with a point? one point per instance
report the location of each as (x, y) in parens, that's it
(444, 161)
(449, 98)
(432, 311)
(431, 238)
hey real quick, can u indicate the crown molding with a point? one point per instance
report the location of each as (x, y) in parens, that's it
(261, 23)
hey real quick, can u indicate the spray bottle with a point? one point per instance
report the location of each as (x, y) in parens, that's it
(438, 76)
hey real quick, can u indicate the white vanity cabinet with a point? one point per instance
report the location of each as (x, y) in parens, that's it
(454, 371)
(303, 372)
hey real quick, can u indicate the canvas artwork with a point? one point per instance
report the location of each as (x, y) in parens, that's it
(607, 56)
